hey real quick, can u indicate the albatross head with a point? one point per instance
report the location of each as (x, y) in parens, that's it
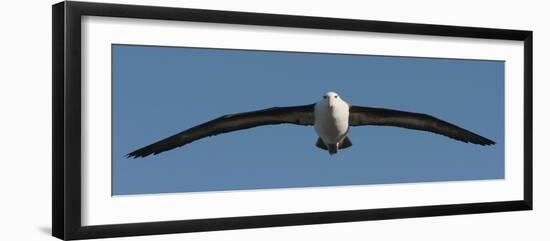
(331, 99)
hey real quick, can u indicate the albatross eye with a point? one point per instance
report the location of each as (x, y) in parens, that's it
(335, 97)
(324, 97)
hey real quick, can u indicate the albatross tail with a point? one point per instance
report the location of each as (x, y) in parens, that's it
(333, 148)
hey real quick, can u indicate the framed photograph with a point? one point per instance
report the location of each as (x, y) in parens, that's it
(169, 120)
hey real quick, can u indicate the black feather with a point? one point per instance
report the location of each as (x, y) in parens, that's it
(298, 115)
(386, 117)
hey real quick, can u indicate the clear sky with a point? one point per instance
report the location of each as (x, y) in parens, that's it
(160, 91)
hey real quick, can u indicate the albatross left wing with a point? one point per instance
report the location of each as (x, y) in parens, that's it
(386, 117)
(298, 115)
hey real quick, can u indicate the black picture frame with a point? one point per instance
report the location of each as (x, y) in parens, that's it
(67, 134)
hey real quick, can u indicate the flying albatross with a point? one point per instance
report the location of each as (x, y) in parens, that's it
(331, 116)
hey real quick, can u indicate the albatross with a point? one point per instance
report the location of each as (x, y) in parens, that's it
(331, 116)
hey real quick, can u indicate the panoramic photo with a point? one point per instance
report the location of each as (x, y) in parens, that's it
(204, 119)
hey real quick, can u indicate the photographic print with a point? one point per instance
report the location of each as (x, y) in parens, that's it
(205, 119)
(161, 114)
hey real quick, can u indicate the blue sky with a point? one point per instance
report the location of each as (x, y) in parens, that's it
(160, 91)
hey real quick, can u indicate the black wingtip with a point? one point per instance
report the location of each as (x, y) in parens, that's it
(131, 155)
(484, 142)
(144, 152)
(490, 143)
(137, 154)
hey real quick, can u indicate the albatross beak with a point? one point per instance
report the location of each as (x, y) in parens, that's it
(330, 102)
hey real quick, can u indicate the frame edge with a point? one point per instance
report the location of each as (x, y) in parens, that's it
(528, 119)
(58, 79)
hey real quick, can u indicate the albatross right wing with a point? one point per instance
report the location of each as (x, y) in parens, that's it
(360, 115)
(298, 115)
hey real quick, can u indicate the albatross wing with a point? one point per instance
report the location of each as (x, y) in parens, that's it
(386, 117)
(298, 115)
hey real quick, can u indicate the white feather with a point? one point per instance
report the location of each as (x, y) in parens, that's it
(331, 123)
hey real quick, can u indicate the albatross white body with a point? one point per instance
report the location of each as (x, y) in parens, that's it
(331, 120)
